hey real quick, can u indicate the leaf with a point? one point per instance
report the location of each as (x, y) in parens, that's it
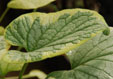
(52, 39)
(28, 4)
(92, 60)
(37, 34)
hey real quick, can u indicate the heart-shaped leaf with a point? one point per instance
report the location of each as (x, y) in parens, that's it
(28, 4)
(92, 60)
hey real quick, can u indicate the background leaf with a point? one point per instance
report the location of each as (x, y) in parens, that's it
(92, 60)
(48, 39)
(28, 4)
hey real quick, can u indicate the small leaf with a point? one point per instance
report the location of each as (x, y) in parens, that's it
(92, 60)
(28, 4)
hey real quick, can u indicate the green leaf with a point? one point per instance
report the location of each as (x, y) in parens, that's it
(49, 35)
(28, 4)
(92, 60)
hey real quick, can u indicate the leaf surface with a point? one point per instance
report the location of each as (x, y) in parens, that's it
(36, 34)
(92, 60)
(28, 4)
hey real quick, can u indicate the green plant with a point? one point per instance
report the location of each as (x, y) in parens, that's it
(81, 34)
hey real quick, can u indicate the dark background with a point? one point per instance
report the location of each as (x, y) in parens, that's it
(104, 7)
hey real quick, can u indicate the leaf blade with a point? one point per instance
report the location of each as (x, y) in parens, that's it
(50, 34)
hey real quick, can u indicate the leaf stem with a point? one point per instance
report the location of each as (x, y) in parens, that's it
(23, 70)
(24, 67)
(4, 13)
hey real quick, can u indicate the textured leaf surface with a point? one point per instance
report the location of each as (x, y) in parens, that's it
(28, 4)
(36, 34)
(92, 60)
(48, 35)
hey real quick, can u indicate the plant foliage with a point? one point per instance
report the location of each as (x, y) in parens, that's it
(78, 31)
